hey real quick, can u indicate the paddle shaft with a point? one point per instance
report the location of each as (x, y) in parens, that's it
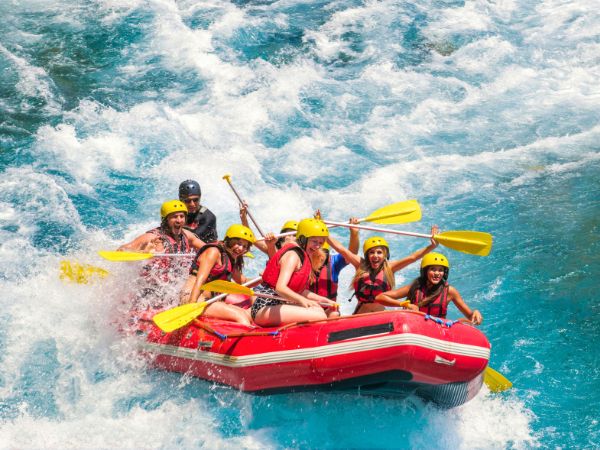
(287, 233)
(173, 255)
(335, 224)
(381, 230)
(362, 227)
(228, 179)
(222, 296)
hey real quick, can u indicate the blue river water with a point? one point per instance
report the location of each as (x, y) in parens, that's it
(486, 112)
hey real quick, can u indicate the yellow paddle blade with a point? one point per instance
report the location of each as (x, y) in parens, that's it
(124, 256)
(401, 212)
(248, 255)
(495, 381)
(227, 287)
(175, 318)
(80, 273)
(473, 242)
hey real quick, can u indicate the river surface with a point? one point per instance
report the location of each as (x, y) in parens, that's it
(486, 112)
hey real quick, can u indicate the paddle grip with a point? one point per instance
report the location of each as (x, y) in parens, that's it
(228, 179)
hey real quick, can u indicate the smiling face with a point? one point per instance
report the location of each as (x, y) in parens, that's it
(376, 256)
(175, 222)
(313, 244)
(435, 274)
(238, 247)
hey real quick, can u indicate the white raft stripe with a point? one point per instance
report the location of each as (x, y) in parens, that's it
(336, 349)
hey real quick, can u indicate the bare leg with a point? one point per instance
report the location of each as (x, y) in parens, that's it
(281, 314)
(220, 310)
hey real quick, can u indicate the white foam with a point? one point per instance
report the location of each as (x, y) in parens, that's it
(33, 82)
(487, 421)
(87, 159)
(490, 91)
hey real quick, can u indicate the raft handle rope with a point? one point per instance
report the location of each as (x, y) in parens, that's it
(442, 322)
(222, 336)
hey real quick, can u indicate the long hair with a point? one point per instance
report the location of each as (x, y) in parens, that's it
(237, 263)
(365, 267)
(316, 259)
(430, 293)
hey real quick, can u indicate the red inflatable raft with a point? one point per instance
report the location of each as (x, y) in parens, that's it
(392, 353)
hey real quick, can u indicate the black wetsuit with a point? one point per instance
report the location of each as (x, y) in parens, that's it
(203, 224)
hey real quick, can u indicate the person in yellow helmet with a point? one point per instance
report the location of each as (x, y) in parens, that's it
(430, 293)
(287, 275)
(170, 236)
(221, 260)
(375, 271)
(159, 272)
(330, 264)
(270, 244)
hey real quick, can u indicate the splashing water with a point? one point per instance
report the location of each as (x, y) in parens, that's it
(484, 112)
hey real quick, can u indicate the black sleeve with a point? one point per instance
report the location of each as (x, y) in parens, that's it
(207, 227)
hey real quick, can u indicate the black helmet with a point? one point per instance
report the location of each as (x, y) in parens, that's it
(187, 188)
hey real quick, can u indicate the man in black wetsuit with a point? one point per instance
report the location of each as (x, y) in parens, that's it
(200, 220)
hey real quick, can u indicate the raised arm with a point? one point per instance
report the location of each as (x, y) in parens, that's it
(402, 263)
(354, 241)
(260, 245)
(351, 258)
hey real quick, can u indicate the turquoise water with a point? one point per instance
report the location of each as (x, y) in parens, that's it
(485, 112)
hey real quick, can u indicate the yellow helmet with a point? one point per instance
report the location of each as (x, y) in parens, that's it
(289, 225)
(434, 259)
(311, 228)
(240, 232)
(172, 206)
(375, 241)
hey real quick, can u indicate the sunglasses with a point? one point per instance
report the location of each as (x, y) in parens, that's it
(192, 200)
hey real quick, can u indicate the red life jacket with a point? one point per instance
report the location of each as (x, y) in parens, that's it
(299, 279)
(367, 287)
(323, 284)
(437, 308)
(160, 268)
(222, 271)
(172, 245)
